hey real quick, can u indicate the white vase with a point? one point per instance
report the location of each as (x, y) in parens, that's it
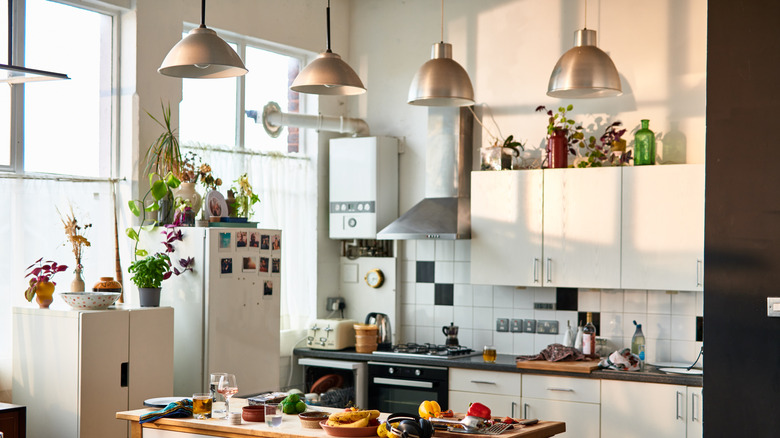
(187, 192)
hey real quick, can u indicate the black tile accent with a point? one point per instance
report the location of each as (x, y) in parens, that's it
(443, 294)
(583, 316)
(699, 328)
(566, 298)
(425, 272)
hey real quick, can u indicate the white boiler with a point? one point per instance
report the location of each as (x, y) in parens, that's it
(363, 186)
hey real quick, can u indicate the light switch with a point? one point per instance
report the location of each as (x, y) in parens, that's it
(773, 307)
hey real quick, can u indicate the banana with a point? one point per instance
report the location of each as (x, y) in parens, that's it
(363, 422)
(351, 418)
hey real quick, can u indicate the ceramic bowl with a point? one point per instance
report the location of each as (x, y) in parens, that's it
(348, 432)
(89, 300)
(255, 413)
(311, 419)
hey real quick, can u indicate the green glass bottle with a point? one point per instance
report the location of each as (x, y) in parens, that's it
(644, 145)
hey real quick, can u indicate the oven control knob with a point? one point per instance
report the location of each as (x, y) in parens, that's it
(352, 222)
(391, 370)
(417, 372)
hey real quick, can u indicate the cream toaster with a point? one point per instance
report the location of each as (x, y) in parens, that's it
(331, 334)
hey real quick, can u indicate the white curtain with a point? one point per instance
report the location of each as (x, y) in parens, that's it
(288, 199)
(32, 229)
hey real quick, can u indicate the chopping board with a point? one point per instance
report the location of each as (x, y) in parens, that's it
(584, 366)
(542, 429)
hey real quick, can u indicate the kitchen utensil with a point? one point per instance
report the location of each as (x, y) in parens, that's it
(384, 335)
(451, 332)
(468, 423)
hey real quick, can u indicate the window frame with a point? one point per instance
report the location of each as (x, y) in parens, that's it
(17, 93)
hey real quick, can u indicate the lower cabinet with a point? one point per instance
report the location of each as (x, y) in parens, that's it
(638, 410)
(571, 400)
(498, 390)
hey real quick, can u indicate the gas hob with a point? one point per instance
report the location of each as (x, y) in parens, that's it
(428, 350)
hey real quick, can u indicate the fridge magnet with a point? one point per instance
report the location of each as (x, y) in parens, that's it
(276, 266)
(224, 242)
(264, 241)
(226, 266)
(254, 239)
(276, 242)
(240, 239)
(216, 205)
(249, 264)
(268, 288)
(263, 264)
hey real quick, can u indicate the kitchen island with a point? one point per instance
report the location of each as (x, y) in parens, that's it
(290, 428)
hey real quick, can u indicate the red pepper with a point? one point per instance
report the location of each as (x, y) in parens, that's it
(479, 410)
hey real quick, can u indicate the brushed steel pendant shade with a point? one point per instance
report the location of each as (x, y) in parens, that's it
(328, 74)
(202, 54)
(441, 81)
(584, 71)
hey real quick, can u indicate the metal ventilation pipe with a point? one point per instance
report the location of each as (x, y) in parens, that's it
(273, 119)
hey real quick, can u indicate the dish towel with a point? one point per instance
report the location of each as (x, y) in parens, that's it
(178, 409)
(556, 353)
(622, 360)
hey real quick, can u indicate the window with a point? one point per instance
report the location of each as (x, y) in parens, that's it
(217, 122)
(66, 126)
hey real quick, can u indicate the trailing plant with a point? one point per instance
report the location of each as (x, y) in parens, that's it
(164, 155)
(42, 273)
(604, 153)
(559, 121)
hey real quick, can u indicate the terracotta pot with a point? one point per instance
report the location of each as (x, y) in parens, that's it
(44, 294)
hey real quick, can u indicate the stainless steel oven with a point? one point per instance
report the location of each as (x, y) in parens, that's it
(398, 388)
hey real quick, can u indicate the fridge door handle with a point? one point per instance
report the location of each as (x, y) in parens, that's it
(123, 372)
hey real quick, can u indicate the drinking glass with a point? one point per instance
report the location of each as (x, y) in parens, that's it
(201, 406)
(228, 387)
(273, 415)
(489, 353)
(218, 404)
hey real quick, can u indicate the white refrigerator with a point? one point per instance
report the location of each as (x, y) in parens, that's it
(226, 312)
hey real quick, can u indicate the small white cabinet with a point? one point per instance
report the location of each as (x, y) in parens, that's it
(639, 410)
(582, 227)
(506, 227)
(571, 400)
(663, 227)
(75, 369)
(498, 390)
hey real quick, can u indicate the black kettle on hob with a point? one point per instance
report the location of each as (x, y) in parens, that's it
(384, 335)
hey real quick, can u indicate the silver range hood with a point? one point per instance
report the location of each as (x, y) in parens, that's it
(445, 213)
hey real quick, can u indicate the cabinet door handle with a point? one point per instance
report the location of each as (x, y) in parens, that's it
(677, 396)
(123, 371)
(693, 408)
(549, 270)
(699, 275)
(513, 410)
(525, 410)
(485, 382)
(536, 270)
(561, 389)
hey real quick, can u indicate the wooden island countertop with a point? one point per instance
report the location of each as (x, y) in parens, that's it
(290, 428)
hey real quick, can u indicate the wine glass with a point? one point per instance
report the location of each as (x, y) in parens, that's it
(218, 408)
(228, 388)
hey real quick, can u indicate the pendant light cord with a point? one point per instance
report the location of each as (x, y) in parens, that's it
(442, 20)
(327, 20)
(10, 31)
(586, 14)
(203, 13)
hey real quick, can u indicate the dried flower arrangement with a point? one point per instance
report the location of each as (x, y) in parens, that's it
(76, 235)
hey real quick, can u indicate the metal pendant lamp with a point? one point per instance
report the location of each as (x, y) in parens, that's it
(328, 74)
(202, 54)
(14, 74)
(584, 71)
(441, 81)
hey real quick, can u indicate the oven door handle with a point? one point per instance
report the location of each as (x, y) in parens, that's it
(401, 382)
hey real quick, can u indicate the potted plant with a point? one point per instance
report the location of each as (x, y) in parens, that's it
(188, 174)
(245, 198)
(41, 286)
(562, 135)
(502, 153)
(148, 275)
(610, 152)
(164, 158)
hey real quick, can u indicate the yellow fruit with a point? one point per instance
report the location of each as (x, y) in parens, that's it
(381, 431)
(428, 409)
(363, 422)
(351, 418)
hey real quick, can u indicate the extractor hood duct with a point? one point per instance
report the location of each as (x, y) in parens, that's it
(445, 212)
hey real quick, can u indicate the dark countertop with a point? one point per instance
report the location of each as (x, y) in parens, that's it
(506, 363)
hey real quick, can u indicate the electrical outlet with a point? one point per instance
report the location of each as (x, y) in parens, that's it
(335, 303)
(529, 326)
(547, 327)
(516, 326)
(502, 324)
(544, 306)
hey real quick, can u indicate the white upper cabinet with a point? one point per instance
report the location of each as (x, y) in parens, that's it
(582, 227)
(663, 227)
(506, 227)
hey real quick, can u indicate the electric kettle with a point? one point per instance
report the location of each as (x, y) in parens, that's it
(384, 338)
(451, 332)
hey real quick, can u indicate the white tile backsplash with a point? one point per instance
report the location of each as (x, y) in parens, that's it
(445, 250)
(425, 335)
(462, 317)
(611, 300)
(408, 271)
(544, 295)
(423, 315)
(657, 327)
(700, 303)
(483, 295)
(659, 301)
(408, 292)
(503, 297)
(480, 338)
(443, 315)
(523, 299)
(424, 293)
(408, 249)
(683, 328)
(462, 272)
(408, 314)
(426, 250)
(463, 295)
(684, 303)
(462, 251)
(635, 301)
(444, 272)
(589, 300)
(483, 318)
(611, 325)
